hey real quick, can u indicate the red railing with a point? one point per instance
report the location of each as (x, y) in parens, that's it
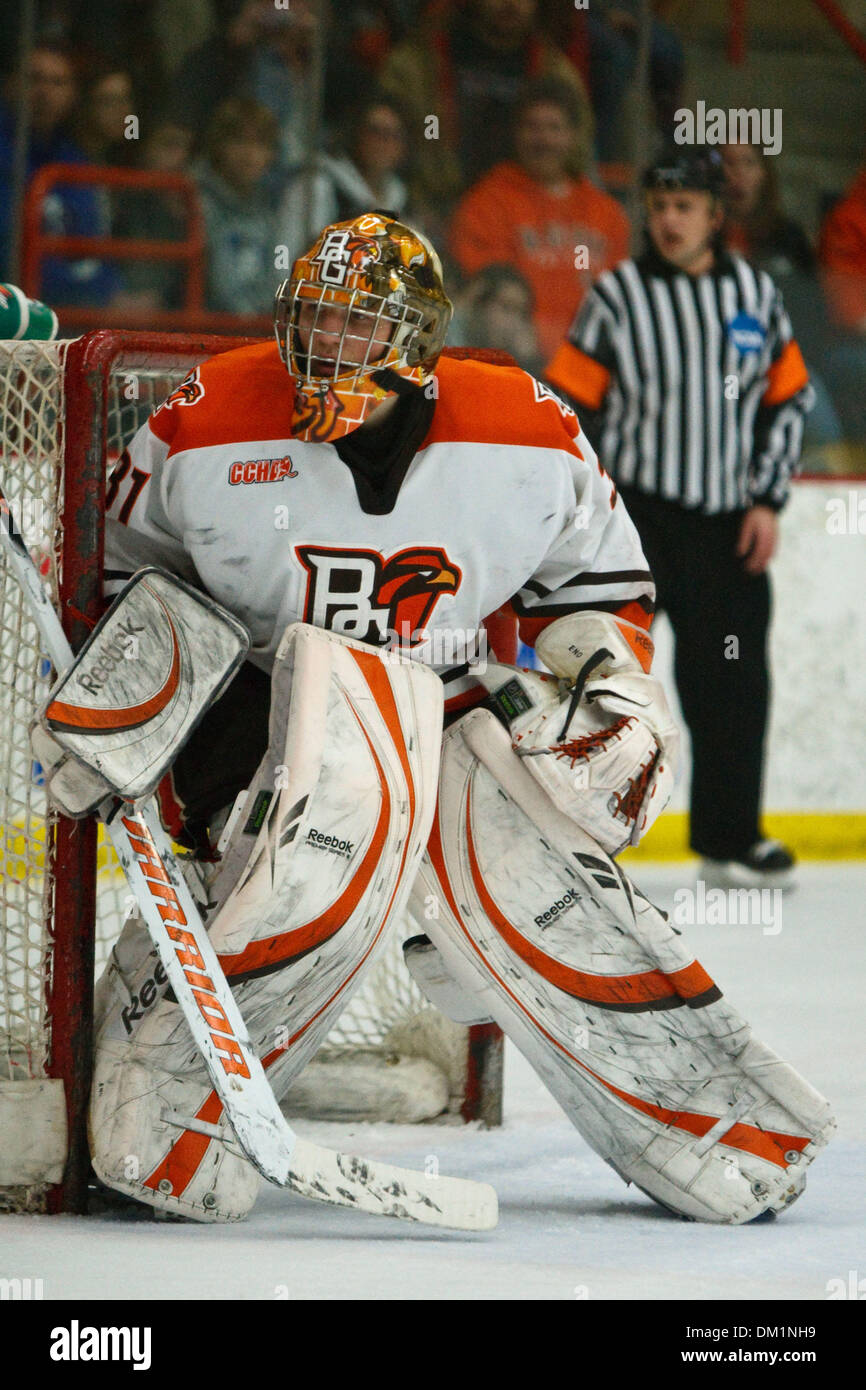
(38, 244)
(189, 252)
(843, 26)
(831, 11)
(736, 31)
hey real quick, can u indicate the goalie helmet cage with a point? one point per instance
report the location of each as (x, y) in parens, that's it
(67, 411)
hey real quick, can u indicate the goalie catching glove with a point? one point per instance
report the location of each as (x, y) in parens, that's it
(597, 734)
(116, 720)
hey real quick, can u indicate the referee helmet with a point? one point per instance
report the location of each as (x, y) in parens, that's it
(698, 169)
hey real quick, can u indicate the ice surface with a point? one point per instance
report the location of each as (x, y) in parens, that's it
(569, 1228)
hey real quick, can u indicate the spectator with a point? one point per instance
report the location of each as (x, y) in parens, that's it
(532, 213)
(182, 26)
(757, 227)
(495, 310)
(357, 48)
(756, 224)
(365, 176)
(601, 41)
(468, 69)
(261, 53)
(153, 216)
(68, 210)
(843, 258)
(666, 61)
(167, 147)
(122, 33)
(101, 130)
(242, 142)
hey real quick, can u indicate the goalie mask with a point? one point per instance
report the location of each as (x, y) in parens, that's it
(363, 311)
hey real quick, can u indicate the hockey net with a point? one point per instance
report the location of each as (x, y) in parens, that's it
(67, 410)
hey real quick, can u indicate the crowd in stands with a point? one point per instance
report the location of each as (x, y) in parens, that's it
(487, 123)
(538, 212)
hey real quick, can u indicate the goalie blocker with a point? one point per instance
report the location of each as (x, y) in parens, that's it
(116, 720)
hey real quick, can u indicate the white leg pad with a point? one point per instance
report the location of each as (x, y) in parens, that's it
(316, 875)
(633, 1038)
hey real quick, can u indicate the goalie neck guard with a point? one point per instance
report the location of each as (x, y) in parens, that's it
(362, 311)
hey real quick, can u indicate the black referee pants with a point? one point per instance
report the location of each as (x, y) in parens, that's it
(720, 616)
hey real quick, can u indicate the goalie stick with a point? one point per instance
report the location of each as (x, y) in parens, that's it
(182, 943)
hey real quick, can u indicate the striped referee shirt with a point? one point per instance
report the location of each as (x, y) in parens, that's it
(690, 387)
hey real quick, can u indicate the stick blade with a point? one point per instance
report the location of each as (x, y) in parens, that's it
(383, 1189)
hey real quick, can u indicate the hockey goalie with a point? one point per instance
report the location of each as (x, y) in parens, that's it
(355, 503)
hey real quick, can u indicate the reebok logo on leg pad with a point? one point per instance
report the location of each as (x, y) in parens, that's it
(561, 905)
(332, 843)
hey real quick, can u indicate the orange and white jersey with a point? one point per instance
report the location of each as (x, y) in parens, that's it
(503, 500)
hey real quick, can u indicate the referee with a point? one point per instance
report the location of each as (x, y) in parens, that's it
(689, 383)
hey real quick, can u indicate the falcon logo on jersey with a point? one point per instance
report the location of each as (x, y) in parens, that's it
(189, 391)
(382, 601)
